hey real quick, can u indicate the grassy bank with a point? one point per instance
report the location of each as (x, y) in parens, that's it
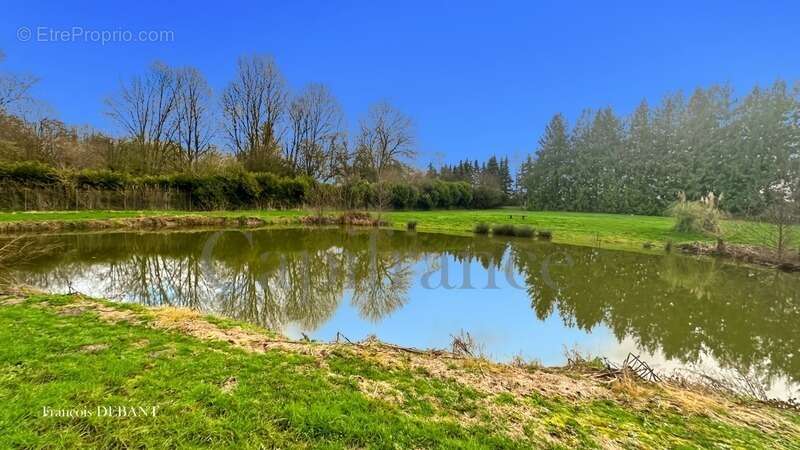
(606, 230)
(211, 382)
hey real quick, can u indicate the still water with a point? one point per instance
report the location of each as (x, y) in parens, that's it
(515, 297)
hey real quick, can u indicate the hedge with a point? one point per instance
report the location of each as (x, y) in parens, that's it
(234, 190)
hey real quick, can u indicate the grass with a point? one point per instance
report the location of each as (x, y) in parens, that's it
(626, 232)
(211, 393)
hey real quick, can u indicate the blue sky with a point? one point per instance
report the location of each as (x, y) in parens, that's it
(477, 78)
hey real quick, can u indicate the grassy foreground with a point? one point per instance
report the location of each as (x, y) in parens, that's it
(606, 230)
(167, 378)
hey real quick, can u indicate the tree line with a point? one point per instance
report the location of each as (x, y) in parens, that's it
(172, 121)
(746, 150)
(494, 173)
(174, 125)
(178, 134)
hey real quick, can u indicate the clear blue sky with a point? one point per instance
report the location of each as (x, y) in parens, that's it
(477, 78)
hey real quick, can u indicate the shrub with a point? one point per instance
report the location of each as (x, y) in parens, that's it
(233, 187)
(481, 228)
(269, 187)
(363, 194)
(486, 198)
(239, 190)
(359, 218)
(411, 225)
(29, 173)
(545, 235)
(101, 179)
(463, 194)
(205, 192)
(446, 194)
(702, 216)
(428, 196)
(403, 196)
(282, 192)
(426, 201)
(503, 230)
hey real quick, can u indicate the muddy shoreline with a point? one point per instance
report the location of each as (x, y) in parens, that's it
(749, 254)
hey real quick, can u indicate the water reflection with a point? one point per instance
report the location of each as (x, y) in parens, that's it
(685, 309)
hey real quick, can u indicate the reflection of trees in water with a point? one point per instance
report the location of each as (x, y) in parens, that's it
(685, 273)
(304, 284)
(156, 280)
(271, 277)
(380, 284)
(682, 306)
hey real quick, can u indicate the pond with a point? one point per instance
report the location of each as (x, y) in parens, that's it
(514, 297)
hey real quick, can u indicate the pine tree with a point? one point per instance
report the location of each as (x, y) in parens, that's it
(543, 181)
(431, 171)
(505, 178)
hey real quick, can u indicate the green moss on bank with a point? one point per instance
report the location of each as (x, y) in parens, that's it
(212, 393)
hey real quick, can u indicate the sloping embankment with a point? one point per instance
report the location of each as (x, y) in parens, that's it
(224, 384)
(184, 221)
(155, 222)
(750, 254)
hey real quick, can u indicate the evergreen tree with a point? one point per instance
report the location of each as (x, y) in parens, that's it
(432, 171)
(708, 144)
(544, 181)
(505, 178)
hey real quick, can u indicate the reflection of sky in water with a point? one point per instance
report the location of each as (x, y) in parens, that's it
(500, 319)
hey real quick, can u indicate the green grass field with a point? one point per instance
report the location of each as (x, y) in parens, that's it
(93, 357)
(606, 230)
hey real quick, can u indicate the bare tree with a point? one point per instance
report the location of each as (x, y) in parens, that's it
(146, 109)
(386, 136)
(782, 215)
(775, 228)
(14, 88)
(56, 142)
(315, 123)
(194, 115)
(253, 105)
(782, 218)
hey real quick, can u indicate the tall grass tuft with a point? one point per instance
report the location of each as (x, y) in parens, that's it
(524, 231)
(481, 228)
(702, 216)
(503, 230)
